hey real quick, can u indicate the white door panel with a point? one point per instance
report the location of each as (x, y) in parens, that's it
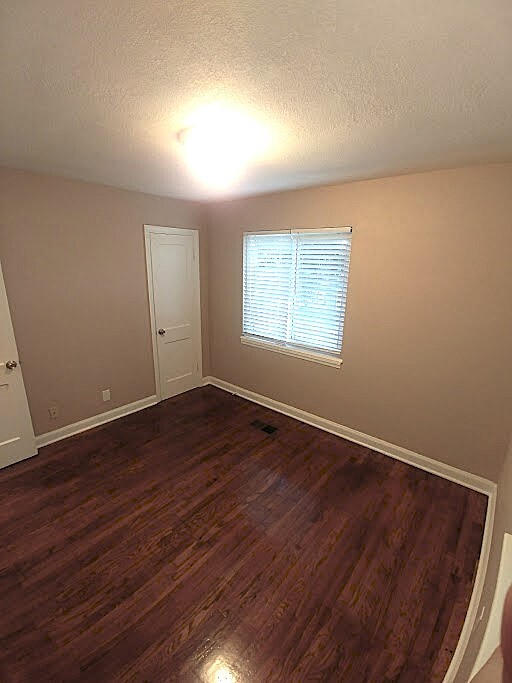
(173, 272)
(178, 367)
(16, 434)
(177, 333)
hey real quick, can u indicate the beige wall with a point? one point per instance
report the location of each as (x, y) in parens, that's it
(428, 335)
(74, 267)
(428, 330)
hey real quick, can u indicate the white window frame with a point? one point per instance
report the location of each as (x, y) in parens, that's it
(305, 353)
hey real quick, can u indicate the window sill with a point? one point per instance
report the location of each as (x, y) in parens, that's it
(313, 356)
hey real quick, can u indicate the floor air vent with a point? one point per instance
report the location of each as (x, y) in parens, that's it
(268, 429)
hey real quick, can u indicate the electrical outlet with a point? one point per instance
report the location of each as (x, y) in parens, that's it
(53, 411)
(106, 395)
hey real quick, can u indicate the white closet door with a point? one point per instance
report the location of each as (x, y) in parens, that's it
(176, 310)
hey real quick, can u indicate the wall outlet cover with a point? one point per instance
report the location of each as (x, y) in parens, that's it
(106, 394)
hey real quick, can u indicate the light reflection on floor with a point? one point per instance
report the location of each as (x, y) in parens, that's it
(220, 672)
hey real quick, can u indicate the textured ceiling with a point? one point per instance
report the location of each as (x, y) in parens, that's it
(97, 89)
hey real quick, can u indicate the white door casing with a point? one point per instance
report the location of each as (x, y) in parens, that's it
(172, 257)
(17, 440)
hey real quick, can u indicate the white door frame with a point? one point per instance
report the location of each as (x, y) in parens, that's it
(159, 229)
(27, 436)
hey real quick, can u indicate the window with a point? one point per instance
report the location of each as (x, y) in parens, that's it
(295, 290)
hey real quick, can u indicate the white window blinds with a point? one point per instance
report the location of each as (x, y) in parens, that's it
(295, 287)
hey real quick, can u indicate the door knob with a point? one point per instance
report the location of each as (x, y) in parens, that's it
(11, 364)
(161, 331)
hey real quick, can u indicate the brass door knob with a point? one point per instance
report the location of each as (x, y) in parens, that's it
(161, 331)
(11, 364)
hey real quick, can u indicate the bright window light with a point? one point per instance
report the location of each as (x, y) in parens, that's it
(295, 288)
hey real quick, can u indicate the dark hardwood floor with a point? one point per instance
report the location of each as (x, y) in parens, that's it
(182, 543)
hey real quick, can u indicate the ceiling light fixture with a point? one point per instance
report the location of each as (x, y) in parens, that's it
(220, 142)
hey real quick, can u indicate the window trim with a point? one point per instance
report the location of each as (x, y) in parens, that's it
(306, 353)
(291, 350)
(292, 231)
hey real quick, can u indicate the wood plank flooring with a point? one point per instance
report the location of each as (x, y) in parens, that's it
(183, 543)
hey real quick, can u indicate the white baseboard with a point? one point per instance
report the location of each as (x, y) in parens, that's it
(470, 621)
(492, 635)
(468, 479)
(95, 421)
(454, 474)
